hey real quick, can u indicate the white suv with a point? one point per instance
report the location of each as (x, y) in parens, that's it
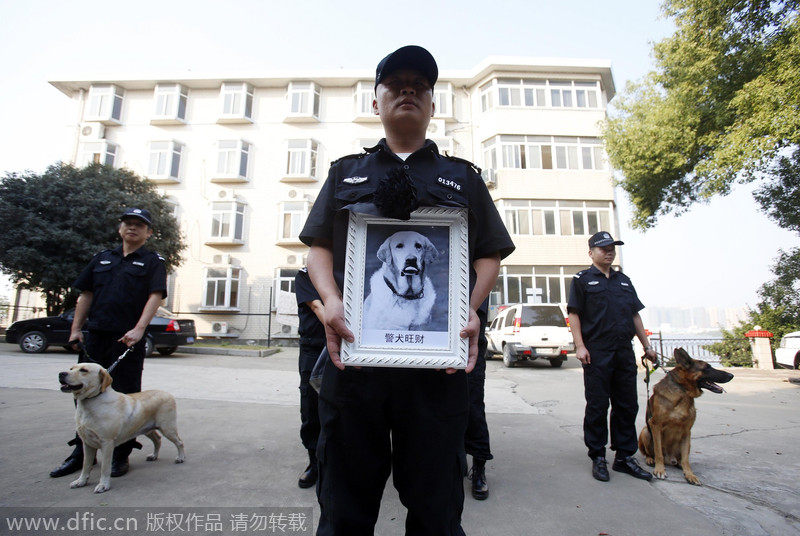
(788, 354)
(527, 331)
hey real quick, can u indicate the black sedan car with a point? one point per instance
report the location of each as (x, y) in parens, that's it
(164, 334)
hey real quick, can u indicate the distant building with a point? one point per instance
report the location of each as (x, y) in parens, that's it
(696, 319)
(242, 159)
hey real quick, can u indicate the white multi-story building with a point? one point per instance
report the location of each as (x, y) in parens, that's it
(243, 157)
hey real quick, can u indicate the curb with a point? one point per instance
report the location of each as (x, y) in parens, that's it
(227, 351)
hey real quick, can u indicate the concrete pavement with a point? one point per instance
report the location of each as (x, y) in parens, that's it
(239, 419)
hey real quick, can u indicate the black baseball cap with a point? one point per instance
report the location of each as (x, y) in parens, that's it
(601, 239)
(408, 57)
(138, 213)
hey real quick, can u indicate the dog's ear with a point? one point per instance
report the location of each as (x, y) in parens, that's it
(105, 379)
(430, 251)
(384, 253)
(682, 358)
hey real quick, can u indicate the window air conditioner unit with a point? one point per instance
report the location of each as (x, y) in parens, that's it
(489, 177)
(436, 128)
(91, 131)
(219, 328)
(286, 329)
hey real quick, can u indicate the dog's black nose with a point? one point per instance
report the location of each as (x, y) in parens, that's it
(62, 376)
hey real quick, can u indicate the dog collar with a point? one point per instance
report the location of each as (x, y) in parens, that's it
(394, 291)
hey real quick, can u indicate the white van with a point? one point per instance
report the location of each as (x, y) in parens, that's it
(531, 331)
(788, 353)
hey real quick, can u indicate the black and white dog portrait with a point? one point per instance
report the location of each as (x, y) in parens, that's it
(401, 293)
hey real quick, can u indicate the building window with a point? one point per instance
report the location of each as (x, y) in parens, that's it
(222, 287)
(363, 95)
(489, 153)
(302, 159)
(237, 102)
(443, 100)
(543, 152)
(486, 96)
(170, 102)
(173, 206)
(533, 284)
(104, 104)
(101, 152)
(586, 94)
(592, 153)
(165, 160)
(232, 160)
(560, 94)
(284, 280)
(566, 152)
(563, 218)
(227, 222)
(293, 216)
(538, 93)
(303, 99)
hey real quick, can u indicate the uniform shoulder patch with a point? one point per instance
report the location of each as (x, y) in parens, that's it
(463, 161)
(354, 156)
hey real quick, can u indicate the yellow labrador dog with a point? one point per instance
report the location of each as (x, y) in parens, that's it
(401, 294)
(106, 418)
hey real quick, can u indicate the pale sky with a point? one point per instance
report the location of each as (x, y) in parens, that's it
(717, 255)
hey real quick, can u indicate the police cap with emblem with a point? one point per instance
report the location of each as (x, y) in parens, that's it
(408, 57)
(601, 239)
(138, 213)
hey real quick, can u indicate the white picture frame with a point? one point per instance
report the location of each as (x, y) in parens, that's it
(420, 300)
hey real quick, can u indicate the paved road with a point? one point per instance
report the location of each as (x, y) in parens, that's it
(239, 418)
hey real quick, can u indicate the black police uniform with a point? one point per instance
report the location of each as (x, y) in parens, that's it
(406, 421)
(120, 288)
(312, 341)
(606, 307)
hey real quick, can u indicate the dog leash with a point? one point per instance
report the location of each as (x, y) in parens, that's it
(110, 369)
(115, 363)
(648, 371)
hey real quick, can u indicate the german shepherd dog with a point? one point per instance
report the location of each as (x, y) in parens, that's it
(671, 413)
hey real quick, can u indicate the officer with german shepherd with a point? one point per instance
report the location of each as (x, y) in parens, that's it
(604, 315)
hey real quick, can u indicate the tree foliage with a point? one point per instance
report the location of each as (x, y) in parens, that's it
(780, 298)
(779, 309)
(734, 350)
(780, 197)
(721, 105)
(55, 222)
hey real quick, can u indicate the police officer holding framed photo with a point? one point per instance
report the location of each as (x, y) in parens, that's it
(409, 422)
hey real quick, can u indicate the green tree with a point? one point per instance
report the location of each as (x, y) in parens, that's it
(734, 350)
(778, 310)
(55, 222)
(721, 105)
(779, 199)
